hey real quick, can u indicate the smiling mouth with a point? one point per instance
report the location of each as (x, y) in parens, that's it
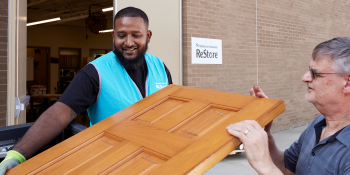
(129, 49)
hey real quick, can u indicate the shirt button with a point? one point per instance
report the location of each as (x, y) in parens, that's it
(313, 153)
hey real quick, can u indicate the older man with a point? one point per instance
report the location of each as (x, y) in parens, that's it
(324, 147)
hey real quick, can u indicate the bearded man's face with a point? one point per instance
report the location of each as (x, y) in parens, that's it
(130, 64)
(131, 37)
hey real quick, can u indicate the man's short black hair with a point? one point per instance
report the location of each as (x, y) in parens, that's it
(131, 12)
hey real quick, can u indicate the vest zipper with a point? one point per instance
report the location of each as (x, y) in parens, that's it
(146, 85)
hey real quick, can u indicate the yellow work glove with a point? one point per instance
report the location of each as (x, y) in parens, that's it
(12, 159)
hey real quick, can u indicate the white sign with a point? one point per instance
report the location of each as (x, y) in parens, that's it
(206, 51)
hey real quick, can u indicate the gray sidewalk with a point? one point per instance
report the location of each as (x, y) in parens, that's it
(238, 164)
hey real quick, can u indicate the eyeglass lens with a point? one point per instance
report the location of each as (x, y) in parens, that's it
(312, 73)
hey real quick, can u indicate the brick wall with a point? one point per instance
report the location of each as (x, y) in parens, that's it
(288, 30)
(3, 60)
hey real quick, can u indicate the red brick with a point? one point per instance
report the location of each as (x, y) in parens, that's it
(3, 102)
(3, 67)
(3, 52)
(3, 95)
(3, 33)
(3, 46)
(3, 20)
(3, 81)
(3, 4)
(3, 26)
(2, 120)
(4, 12)
(3, 87)
(3, 59)
(3, 39)
(3, 74)
(286, 41)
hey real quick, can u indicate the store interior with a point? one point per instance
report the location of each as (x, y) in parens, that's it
(78, 31)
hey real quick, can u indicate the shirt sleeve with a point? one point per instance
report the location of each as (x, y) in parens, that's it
(170, 81)
(83, 90)
(291, 154)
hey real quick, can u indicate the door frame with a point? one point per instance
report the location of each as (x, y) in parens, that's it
(16, 59)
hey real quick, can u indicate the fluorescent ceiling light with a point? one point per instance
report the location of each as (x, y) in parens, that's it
(73, 18)
(44, 21)
(105, 31)
(107, 9)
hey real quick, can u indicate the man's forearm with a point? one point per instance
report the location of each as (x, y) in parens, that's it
(276, 154)
(46, 128)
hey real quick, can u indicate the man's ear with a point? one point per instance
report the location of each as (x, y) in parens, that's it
(149, 35)
(346, 89)
(113, 34)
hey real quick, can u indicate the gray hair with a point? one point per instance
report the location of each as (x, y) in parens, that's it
(338, 49)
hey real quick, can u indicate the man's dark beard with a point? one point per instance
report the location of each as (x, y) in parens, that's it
(130, 64)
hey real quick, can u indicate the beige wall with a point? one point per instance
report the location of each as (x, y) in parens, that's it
(288, 30)
(68, 37)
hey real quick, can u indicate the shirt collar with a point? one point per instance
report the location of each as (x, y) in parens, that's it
(341, 135)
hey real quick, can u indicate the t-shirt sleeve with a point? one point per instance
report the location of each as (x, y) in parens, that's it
(291, 154)
(170, 81)
(82, 92)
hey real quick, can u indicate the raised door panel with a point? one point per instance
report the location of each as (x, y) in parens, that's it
(177, 130)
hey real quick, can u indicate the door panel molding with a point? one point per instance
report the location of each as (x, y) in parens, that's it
(156, 142)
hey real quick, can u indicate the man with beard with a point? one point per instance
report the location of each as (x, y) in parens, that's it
(324, 147)
(105, 86)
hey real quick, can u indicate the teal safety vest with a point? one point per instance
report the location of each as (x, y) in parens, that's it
(118, 90)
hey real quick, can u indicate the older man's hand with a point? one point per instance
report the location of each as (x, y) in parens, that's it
(255, 142)
(257, 92)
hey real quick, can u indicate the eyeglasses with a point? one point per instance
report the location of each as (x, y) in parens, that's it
(314, 73)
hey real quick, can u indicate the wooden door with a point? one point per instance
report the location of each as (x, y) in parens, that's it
(177, 130)
(63, 61)
(69, 61)
(74, 60)
(41, 67)
(40, 56)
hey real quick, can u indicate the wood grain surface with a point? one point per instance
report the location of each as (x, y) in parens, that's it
(177, 130)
